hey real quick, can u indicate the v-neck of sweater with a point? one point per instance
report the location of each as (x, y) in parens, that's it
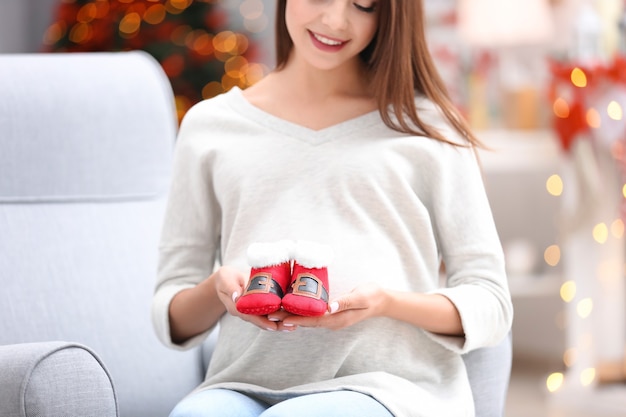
(274, 123)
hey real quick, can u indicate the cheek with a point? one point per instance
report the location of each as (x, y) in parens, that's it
(367, 25)
(289, 27)
(293, 17)
(369, 32)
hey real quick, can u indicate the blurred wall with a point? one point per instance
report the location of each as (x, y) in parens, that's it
(23, 23)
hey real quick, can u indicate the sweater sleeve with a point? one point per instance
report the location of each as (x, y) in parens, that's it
(471, 250)
(190, 234)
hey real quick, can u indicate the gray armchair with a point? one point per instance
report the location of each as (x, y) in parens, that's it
(85, 151)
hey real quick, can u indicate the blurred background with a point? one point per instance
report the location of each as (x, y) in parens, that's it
(204, 46)
(543, 83)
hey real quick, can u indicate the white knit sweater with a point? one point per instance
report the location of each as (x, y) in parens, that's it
(391, 205)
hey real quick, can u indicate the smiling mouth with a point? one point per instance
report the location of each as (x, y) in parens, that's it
(326, 41)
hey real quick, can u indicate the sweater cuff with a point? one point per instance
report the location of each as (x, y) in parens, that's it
(485, 318)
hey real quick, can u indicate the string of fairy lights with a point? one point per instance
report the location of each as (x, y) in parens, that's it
(582, 113)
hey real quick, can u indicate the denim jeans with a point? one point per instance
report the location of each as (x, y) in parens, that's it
(227, 403)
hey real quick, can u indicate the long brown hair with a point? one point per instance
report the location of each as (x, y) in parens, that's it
(399, 64)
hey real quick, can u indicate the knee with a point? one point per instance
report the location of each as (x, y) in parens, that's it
(218, 402)
(192, 406)
(183, 409)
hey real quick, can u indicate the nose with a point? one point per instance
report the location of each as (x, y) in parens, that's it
(336, 15)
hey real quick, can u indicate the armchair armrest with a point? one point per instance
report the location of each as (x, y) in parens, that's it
(54, 379)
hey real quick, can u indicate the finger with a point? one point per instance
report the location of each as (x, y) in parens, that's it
(233, 291)
(341, 304)
(279, 315)
(229, 298)
(303, 321)
(352, 301)
(261, 322)
(286, 327)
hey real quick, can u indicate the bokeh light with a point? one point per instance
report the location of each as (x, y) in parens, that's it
(617, 228)
(554, 381)
(130, 24)
(568, 291)
(552, 255)
(561, 108)
(614, 110)
(570, 356)
(584, 308)
(554, 185)
(587, 376)
(155, 14)
(601, 233)
(593, 118)
(578, 77)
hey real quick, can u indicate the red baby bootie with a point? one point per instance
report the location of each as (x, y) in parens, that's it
(308, 293)
(269, 277)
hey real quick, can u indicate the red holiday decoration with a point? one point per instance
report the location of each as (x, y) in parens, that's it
(589, 104)
(570, 92)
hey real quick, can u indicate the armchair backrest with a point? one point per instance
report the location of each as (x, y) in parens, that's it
(85, 152)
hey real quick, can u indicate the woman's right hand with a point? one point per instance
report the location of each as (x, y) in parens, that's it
(230, 284)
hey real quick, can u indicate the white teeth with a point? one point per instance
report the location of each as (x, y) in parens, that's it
(326, 41)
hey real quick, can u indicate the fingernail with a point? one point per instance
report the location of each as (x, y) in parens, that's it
(288, 324)
(269, 329)
(235, 295)
(334, 306)
(273, 319)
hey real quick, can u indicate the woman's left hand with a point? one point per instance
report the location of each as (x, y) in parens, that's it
(363, 302)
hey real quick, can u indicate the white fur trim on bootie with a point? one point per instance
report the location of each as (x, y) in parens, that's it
(262, 254)
(312, 254)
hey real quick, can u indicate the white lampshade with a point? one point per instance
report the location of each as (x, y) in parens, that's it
(495, 23)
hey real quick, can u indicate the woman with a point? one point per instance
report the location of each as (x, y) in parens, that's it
(351, 142)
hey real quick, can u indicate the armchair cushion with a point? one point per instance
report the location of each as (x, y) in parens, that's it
(54, 379)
